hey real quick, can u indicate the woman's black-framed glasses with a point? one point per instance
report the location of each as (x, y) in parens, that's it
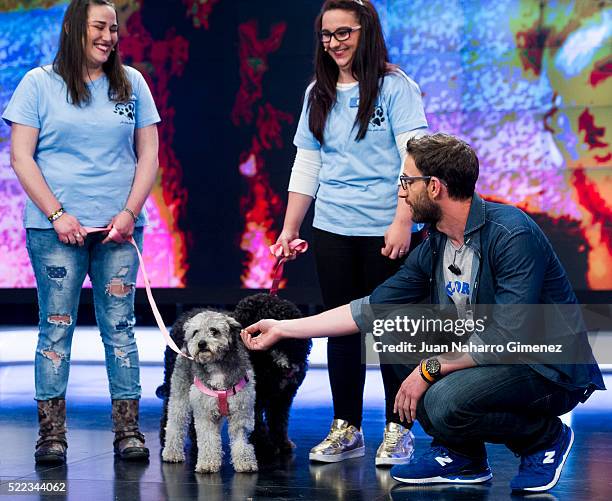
(341, 34)
(407, 181)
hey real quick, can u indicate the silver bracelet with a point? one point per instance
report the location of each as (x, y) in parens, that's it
(131, 213)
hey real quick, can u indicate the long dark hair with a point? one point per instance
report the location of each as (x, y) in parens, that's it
(370, 64)
(70, 58)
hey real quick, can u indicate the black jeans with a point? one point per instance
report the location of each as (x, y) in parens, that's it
(503, 404)
(350, 268)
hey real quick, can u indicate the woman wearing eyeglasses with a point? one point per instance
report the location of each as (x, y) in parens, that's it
(357, 116)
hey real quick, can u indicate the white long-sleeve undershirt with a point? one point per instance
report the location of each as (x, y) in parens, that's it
(307, 164)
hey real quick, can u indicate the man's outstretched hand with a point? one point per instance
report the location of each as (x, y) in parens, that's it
(269, 334)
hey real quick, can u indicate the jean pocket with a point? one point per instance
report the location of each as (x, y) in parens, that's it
(556, 403)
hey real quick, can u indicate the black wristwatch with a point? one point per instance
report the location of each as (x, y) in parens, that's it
(433, 367)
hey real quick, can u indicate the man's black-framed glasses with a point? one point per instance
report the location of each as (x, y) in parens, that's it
(407, 181)
(341, 34)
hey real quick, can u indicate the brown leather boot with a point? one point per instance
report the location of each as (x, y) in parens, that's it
(51, 446)
(129, 442)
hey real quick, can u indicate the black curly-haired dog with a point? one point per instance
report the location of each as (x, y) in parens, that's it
(279, 372)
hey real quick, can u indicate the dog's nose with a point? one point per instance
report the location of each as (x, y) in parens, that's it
(202, 345)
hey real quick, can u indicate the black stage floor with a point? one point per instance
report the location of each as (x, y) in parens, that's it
(93, 474)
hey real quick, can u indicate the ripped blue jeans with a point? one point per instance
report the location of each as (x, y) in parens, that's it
(60, 270)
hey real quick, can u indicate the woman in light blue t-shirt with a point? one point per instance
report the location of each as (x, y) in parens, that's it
(84, 147)
(357, 116)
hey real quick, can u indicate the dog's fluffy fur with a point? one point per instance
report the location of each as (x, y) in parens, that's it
(279, 373)
(220, 361)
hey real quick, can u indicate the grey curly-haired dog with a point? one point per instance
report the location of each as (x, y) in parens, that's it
(279, 372)
(217, 383)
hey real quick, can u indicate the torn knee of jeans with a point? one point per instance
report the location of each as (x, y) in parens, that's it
(60, 319)
(118, 288)
(56, 275)
(123, 357)
(123, 325)
(56, 358)
(56, 272)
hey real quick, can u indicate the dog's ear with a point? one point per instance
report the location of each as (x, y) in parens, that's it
(233, 323)
(235, 328)
(177, 332)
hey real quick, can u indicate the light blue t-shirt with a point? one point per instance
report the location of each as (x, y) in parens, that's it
(358, 180)
(86, 154)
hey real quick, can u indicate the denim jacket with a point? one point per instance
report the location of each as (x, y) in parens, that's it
(514, 264)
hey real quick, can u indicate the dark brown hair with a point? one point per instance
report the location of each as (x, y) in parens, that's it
(70, 58)
(448, 158)
(370, 64)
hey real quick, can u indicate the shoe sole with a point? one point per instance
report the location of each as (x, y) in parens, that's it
(446, 480)
(392, 461)
(50, 459)
(335, 458)
(134, 457)
(555, 479)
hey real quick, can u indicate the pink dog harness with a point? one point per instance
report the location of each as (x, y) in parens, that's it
(221, 394)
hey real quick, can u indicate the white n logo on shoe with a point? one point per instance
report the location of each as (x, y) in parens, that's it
(550, 457)
(443, 461)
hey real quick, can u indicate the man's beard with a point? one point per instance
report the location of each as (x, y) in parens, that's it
(425, 211)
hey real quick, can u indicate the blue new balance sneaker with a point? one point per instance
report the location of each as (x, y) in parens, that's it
(441, 466)
(541, 470)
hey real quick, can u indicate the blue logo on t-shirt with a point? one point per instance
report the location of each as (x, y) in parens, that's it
(125, 110)
(377, 118)
(457, 287)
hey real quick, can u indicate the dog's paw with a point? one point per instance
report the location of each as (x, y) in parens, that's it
(244, 459)
(246, 466)
(171, 456)
(286, 447)
(208, 466)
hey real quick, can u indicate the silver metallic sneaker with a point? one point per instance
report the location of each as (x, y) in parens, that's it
(397, 446)
(344, 441)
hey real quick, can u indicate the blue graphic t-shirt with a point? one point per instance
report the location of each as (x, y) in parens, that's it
(85, 153)
(358, 179)
(457, 265)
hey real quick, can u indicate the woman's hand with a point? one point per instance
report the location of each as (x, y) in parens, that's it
(285, 238)
(397, 240)
(124, 224)
(69, 230)
(270, 334)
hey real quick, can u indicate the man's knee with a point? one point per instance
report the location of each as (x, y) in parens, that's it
(443, 408)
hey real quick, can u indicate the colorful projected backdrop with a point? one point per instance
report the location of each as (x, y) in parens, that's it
(526, 82)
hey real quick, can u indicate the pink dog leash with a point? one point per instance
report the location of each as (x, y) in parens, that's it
(221, 395)
(116, 237)
(297, 246)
